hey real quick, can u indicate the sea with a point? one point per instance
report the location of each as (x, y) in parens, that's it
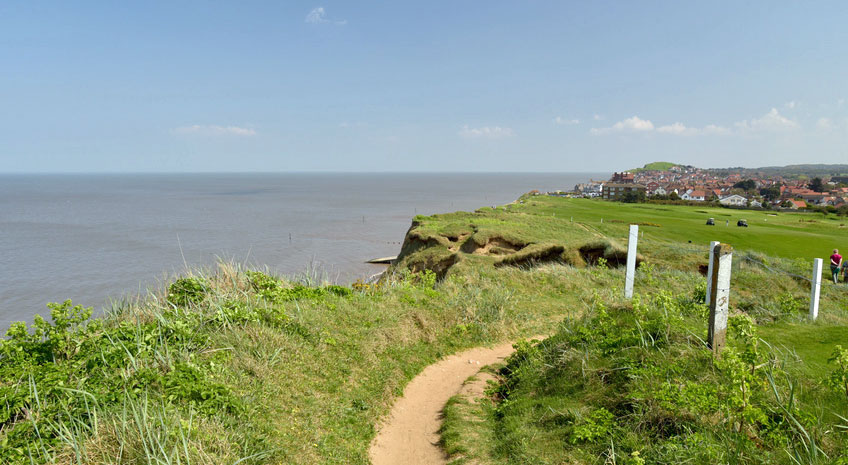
(96, 239)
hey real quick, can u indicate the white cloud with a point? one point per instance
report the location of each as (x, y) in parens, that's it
(597, 117)
(635, 124)
(824, 123)
(487, 132)
(771, 121)
(352, 124)
(213, 130)
(319, 16)
(566, 122)
(790, 105)
(713, 129)
(632, 124)
(679, 129)
(675, 128)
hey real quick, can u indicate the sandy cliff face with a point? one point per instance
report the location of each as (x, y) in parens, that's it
(425, 249)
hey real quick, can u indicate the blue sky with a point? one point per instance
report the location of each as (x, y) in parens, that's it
(423, 86)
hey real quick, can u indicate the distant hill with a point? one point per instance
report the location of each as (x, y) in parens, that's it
(789, 171)
(655, 166)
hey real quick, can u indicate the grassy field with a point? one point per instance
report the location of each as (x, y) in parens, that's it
(231, 365)
(781, 234)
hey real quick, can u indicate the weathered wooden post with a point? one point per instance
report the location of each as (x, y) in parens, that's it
(815, 291)
(720, 296)
(631, 261)
(710, 272)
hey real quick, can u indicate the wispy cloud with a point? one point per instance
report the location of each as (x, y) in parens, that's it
(352, 124)
(824, 123)
(632, 124)
(486, 132)
(565, 121)
(319, 16)
(790, 105)
(213, 130)
(680, 129)
(772, 121)
(597, 117)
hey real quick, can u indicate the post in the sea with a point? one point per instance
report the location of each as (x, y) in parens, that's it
(631, 261)
(720, 297)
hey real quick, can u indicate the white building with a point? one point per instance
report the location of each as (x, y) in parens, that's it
(735, 200)
(696, 195)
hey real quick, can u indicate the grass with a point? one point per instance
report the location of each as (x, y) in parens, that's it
(657, 165)
(624, 382)
(235, 366)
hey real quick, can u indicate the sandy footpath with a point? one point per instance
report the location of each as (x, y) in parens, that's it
(409, 435)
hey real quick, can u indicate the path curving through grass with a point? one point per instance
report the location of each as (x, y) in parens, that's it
(410, 433)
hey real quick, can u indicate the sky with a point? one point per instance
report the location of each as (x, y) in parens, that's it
(460, 85)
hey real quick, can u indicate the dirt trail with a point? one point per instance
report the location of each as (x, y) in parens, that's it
(409, 435)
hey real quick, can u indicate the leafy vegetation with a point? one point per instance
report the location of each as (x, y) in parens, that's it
(238, 366)
(633, 382)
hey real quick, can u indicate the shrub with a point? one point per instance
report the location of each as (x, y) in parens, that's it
(186, 291)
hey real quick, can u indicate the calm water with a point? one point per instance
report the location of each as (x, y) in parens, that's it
(94, 237)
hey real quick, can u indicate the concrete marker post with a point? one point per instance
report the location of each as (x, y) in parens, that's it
(710, 272)
(631, 261)
(720, 297)
(815, 288)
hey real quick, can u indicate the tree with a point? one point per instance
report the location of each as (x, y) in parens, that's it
(747, 184)
(816, 185)
(673, 196)
(633, 196)
(770, 193)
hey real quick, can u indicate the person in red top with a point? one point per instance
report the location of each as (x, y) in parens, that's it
(835, 263)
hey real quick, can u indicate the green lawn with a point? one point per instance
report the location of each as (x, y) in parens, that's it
(789, 235)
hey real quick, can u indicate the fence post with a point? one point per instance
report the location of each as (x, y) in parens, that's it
(631, 260)
(710, 273)
(720, 296)
(815, 290)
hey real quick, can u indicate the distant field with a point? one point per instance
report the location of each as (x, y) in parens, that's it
(789, 235)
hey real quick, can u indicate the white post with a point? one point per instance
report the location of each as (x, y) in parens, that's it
(710, 272)
(815, 288)
(720, 297)
(631, 260)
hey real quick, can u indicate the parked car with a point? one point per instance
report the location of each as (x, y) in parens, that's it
(711, 222)
(742, 223)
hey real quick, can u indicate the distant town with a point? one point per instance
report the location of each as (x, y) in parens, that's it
(781, 188)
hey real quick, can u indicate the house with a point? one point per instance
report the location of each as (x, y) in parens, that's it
(734, 200)
(623, 178)
(813, 197)
(796, 204)
(616, 191)
(654, 188)
(695, 195)
(755, 203)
